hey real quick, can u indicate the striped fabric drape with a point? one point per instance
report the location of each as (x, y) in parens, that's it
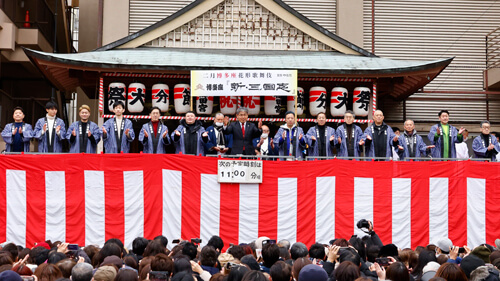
(87, 199)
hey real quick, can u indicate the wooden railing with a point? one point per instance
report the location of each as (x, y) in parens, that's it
(493, 49)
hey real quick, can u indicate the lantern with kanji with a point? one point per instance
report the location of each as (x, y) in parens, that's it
(338, 101)
(228, 105)
(182, 98)
(159, 96)
(253, 104)
(317, 100)
(204, 105)
(272, 105)
(361, 101)
(290, 102)
(136, 97)
(117, 92)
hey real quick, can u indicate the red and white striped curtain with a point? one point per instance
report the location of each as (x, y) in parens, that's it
(87, 199)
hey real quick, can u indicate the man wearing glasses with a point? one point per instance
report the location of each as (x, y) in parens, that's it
(486, 144)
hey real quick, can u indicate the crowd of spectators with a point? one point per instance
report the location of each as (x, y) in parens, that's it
(356, 259)
(242, 137)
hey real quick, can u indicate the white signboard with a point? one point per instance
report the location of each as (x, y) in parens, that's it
(244, 82)
(239, 171)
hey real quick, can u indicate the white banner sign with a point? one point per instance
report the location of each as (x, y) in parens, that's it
(239, 171)
(244, 82)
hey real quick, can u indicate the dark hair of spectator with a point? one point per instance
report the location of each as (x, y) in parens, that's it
(437, 279)
(419, 249)
(38, 255)
(372, 252)
(51, 105)
(22, 269)
(425, 257)
(162, 262)
(270, 254)
(298, 265)
(250, 261)
(284, 254)
(183, 276)
(236, 251)
(5, 267)
(216, 242)
(63, 279)
(208, 256)
(280, 271)
(496, 263)
(317, 251)
(363, 279)
(451, 271)
(162, 239)
(409, 258)
(347, 271)
(248, 250)
(126, 275)
(254, 275)
(443, 111)
(217, 277)
(182, 263)
(12, 249)
(341, 242)
(494, 255)
(359, 245)
(65, 266)
(153, 248)
(138, 245)
(190, 250)
(398, 271)
(431, 247)
(144, 270)
(395, 129)
(116, 241)
(131, 260)
(23, 253)
(349, 254)
(47, 272)
(298, 250)
(5, 258)
(109, 249)
(237, 273)
(442, 259)
(56, 257)
(91, 252)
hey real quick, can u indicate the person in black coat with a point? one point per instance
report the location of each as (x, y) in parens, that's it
(243, 133)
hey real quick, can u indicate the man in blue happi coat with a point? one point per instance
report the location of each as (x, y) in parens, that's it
(486, 145)
(50, 131)
(17, 135)
(117, 132)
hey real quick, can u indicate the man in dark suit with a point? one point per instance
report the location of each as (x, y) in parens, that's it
(243, 133)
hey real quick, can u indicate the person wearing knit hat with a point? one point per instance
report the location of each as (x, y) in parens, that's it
(389, 250)
(312, 272)
(485, 273)
(469, 263)
(105, 273)
(112, 260)
(483, 253)
(10, 275)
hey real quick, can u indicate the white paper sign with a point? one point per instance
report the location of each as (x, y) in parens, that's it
(239, 171)
(244, 82)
